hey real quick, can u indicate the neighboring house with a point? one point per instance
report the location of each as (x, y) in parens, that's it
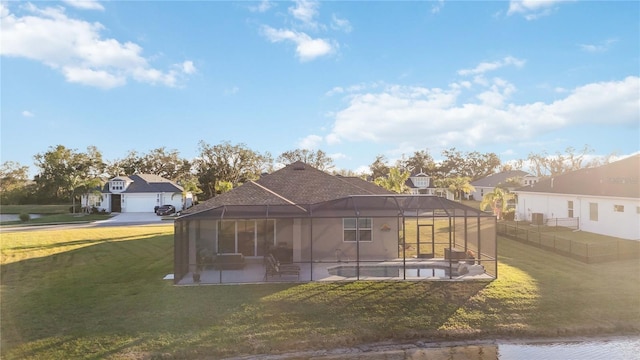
(421, 183)
(321, 218)
(505, 178)
(138, 193)
(603, 200)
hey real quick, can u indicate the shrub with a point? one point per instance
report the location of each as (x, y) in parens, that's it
(509, 215)
(78, 209)
(24, 217)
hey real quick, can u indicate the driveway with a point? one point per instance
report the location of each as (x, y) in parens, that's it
(118, 219)
(131, 218)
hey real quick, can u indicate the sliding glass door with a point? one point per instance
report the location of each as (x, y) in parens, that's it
(249, 237)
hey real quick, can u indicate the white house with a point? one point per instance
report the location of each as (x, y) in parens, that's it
(138, 193)
(505, 178)
(603, 200)
(421, 183)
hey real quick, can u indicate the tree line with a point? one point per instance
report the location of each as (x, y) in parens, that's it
(64, 174)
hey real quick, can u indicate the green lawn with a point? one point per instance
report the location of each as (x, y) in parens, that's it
(51, 214)
(35, 209)
(96, 293)
(58, 219)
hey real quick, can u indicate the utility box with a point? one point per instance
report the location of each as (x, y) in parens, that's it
(537, 218)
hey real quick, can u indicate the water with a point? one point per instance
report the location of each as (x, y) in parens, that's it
(620, 348)
(390, 271)
(616, 349)
(16, 217)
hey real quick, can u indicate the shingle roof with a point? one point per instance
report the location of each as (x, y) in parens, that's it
(616, 179)
(494, 180)
(296, 183)
(147, 183)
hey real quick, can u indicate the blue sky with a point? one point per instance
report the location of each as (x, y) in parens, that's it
(355, 79)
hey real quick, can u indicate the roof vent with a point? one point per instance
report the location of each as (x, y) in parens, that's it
(298, 166)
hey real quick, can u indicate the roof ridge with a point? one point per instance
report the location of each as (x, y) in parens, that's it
(278, 195)
(343, 179)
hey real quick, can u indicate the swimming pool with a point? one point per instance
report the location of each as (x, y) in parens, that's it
(414, 270)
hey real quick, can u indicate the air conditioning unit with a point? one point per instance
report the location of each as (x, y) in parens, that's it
(537, 218)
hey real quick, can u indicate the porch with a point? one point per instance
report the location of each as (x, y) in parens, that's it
(379, 237)
(396, 269)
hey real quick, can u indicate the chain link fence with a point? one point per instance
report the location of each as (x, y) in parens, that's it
(549, 237)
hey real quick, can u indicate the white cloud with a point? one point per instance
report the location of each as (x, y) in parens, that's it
(307, 48)
(232, 91)
(85, 4)
(491, 66)
(300, 22)
(340, 24)
(188, 68)
(96, 78)
(263, 6)
(597, 48)
(437, 6)
(27, 113)
(310, 142)
(77, 49)
(413, 116)
(532, 9)
(305, 11)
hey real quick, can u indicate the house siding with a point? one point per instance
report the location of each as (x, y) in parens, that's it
(625, 224)
(328, 242)
(327, 234)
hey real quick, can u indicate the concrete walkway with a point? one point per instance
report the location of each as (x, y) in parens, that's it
(131, 218)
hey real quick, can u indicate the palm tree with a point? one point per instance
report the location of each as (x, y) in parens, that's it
(497, 200)
(460, 185)
(395, 181)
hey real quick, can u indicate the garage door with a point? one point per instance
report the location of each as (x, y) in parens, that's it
(133, 203)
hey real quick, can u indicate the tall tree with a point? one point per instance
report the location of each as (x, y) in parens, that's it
(460, 185)
(318, 159)
(497, 200)
(474, 165)
(395, 181)
(551, 165)
(420, 161)
(160, 161)
(66, 173)
(129, 165)
(166, 163)
(13, 182)
(379, 167)
(512, 165)
(226, 162)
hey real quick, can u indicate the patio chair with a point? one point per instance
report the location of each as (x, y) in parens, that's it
(273, 268)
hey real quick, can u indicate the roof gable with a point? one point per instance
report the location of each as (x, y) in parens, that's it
(616, 179)
(146, 183)
(494, 180)
(296, 183)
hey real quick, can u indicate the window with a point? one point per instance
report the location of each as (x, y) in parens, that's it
(618, 208)
(352, 227)
(570, 208)
(593, 211)
(421, 182)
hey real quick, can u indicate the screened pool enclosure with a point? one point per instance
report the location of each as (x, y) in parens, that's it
(360, 237)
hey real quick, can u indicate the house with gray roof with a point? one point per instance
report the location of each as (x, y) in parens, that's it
(322, 221)
(138, 193)
(603, 200)
(508, 179)
(421, 183)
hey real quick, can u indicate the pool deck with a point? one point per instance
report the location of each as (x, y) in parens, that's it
(254, 272)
